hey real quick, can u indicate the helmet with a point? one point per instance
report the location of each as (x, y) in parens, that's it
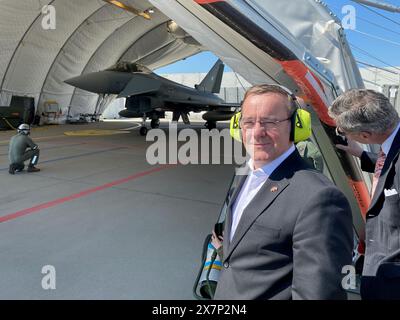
(24, 128)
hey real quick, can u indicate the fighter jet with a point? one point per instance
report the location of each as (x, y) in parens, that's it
(149, 95)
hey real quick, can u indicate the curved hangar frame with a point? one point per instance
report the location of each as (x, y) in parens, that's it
(89, 36)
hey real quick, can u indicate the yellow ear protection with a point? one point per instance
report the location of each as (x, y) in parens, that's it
(300, 123)
(235, 131)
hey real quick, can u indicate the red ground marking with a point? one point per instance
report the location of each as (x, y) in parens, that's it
(81, 194)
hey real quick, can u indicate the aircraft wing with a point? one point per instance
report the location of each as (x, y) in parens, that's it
(139, 84)
(222, 105)
(228, 105)
(298, 44)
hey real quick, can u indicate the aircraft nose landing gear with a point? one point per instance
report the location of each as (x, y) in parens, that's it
(210, 125)
(143, 131)
(155, 123)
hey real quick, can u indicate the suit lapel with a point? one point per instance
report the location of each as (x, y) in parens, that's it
(241, 179)
(271, 189)
(228, 221)
(261, 201)
(393, 152)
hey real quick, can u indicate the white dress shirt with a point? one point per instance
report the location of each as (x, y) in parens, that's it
(253, 183)
(389, 141)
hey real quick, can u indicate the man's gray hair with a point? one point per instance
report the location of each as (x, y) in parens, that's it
(271, 88)
(360, 110)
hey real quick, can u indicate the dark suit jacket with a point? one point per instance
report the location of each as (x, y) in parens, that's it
(290, 243)
(381, 272)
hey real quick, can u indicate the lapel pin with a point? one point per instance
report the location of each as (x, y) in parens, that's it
(274, 189)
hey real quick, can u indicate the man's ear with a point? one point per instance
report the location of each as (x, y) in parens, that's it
(365, 134)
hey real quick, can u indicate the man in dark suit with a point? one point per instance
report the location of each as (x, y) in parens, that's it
(288, 230)
(368, 117)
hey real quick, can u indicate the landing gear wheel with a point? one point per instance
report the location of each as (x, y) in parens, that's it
(143, 131)
(211, 125)
(155, 123)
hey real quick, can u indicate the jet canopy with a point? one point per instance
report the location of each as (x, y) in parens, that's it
(125, 66)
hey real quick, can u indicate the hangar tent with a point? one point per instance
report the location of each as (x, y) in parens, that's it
(89, 36)
(307, 28)
(92, 35)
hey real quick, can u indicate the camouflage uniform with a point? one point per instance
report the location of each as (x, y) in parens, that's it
(310, 153)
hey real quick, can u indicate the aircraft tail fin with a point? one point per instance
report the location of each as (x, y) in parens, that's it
(212, 81)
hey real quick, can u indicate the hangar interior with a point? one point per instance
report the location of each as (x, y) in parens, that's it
(88, 36)
(112, 226)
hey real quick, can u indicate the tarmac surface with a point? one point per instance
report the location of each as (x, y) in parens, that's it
(112, 225)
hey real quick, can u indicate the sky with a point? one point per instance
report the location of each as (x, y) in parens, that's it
(375, 40)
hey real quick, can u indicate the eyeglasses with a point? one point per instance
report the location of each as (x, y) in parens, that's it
(339, 132)
(341, 137)
(266, 124)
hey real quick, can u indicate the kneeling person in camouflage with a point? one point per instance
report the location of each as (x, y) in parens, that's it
(22, 148)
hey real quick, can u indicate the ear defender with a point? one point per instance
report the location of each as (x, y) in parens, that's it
(234, 127)
(300, 125)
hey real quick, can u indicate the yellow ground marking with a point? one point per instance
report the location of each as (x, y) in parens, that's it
(95, 132)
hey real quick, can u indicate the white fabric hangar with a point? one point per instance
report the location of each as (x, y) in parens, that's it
(89, 36)
(93, 35)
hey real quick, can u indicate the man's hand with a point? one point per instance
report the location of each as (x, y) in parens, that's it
(352, 148)
(216, 241)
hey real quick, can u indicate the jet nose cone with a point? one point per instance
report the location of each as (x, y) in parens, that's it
(100, 82)
(75, 81)
(86, 82)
